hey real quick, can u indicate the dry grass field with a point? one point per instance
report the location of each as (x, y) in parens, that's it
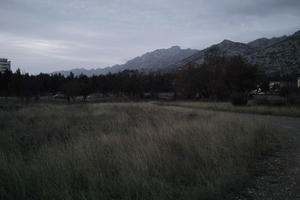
(292, 111)
(125, 151)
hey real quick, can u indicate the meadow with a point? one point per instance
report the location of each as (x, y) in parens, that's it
(252, 107)
(125, 151)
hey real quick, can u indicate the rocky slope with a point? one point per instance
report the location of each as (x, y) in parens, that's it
(264, 42)
(281, 58)
(277, 56)
(151, 61)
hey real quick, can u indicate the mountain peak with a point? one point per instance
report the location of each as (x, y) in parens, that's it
(226, 42)
(175, 47)
(151, 61)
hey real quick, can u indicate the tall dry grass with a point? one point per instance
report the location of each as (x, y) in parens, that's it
(124, 151)
(292, 110)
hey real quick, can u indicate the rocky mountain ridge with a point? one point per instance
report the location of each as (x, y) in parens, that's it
(151, 61)
(277, 56)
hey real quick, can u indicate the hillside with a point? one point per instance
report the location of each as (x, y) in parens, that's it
(151, 61)
(277, 56)
(281, 58)
(265, 42)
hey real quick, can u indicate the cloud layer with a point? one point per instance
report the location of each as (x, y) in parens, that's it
(44, 36)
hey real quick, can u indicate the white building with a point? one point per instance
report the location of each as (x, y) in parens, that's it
(4, 64)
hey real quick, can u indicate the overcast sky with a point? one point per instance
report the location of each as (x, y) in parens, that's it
(49, 35)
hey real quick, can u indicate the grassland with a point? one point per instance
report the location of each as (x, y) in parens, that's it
(292, 111)
(125, 151)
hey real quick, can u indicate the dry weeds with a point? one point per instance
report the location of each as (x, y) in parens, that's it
(124, 151)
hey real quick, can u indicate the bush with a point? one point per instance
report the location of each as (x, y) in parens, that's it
(287, 90)
(239, 99)
(271, 100)
(294, 99)
(261, 101)
(293, 96)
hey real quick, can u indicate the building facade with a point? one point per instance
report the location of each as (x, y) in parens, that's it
(4, 65)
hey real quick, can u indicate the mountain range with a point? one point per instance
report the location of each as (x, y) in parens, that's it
(278, 55)
(151, 61)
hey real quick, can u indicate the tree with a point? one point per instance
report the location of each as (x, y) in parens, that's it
(241, 76)
(71, 89)
(84, 86)
(218, 77)
(5, 79)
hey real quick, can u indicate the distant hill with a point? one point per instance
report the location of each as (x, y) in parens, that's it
(227, 48)
(277, 56)
(151, 61)
(264, 42)
(280, 58)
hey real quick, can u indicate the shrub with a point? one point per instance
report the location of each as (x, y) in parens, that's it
(261, 101)
(269, 100)
(293, 96)
(294, 99)
(239, 99)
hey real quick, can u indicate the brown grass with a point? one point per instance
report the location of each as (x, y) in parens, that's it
(292, 111)
(124, 151)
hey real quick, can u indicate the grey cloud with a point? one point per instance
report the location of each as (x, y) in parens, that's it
(49, 35)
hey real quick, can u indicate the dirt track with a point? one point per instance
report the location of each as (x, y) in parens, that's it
(277, 177)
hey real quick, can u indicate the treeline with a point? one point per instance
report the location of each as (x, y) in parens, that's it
(129, 82)
(218, 78)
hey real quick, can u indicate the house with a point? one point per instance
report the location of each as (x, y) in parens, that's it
(274, 85)
(4, 65)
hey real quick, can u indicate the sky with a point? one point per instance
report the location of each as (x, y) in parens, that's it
(51, 35)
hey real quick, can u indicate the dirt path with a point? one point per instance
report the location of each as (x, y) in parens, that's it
(276, 177)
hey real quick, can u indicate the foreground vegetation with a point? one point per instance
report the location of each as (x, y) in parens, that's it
(285, 110)
(124, 151)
